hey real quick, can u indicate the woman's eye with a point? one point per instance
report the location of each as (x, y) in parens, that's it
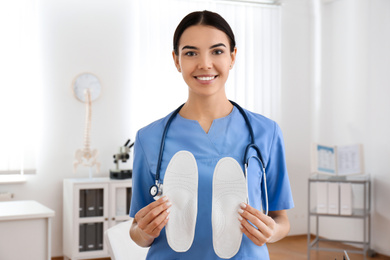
(190, 53)
(218, 52)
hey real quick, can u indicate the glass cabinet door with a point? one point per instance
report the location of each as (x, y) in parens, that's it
(123, 199)
(91, 203)
(120, 199)
(91, 236)
(92, 218)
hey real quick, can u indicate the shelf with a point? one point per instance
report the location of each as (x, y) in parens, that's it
(356, 213)
(314, 245)
(360, 178)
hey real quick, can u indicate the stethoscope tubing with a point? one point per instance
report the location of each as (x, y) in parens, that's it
(160, 155)
(252, 144)
(157, 186)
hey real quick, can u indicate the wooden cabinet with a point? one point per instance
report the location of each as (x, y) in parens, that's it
(90, 207)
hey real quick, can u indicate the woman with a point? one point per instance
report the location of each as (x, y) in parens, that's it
(210, 127)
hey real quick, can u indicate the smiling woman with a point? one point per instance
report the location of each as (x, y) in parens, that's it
(203, 149)
(254, 80)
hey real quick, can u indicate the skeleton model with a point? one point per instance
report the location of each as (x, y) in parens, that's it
(86, 156)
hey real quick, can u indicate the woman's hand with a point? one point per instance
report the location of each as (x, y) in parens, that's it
(149, 221)
(265, 228)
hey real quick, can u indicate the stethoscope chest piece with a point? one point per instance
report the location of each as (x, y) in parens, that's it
(156, 191)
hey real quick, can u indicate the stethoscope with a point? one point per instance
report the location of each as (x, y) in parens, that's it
(156, 189)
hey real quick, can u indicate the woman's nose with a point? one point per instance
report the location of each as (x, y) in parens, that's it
(205, 62)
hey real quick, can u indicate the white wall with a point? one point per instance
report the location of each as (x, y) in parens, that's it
(353, 104)
(295, 119)
(377, 120)
(92, 36)
(341, 99)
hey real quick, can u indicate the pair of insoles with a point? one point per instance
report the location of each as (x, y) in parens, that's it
(229, 190)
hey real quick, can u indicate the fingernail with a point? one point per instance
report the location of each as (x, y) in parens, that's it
(243, 205)
(165, 198)
(239, 218)
(168, 210)
(240, 211)
(169, 203)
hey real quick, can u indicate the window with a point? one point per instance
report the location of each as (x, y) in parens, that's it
(19, 88)
(255, 1)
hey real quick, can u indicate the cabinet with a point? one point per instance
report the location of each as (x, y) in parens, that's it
(19, 216)
(91, 206)
(360, 182)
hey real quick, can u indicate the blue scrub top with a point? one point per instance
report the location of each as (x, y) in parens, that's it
(227, 137)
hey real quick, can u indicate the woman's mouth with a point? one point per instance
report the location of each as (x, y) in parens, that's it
(206, 78)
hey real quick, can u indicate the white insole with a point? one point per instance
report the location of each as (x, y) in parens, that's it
(181, 188)
(229, 190)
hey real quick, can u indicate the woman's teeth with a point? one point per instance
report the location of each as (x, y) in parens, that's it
(205, 78)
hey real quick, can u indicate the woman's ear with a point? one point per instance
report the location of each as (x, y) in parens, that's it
(233, 56)
(176, 61)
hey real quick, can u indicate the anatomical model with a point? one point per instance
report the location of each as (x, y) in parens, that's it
(86, 156)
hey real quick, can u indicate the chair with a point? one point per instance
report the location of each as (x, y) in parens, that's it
(120, 245)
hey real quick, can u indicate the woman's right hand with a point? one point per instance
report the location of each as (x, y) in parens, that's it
(149, 221)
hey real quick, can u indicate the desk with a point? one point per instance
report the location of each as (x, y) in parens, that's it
(25, 230)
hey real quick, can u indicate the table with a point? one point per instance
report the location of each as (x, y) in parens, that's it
(25, 230)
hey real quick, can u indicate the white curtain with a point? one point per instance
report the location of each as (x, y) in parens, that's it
(19, 86)
(156, 86)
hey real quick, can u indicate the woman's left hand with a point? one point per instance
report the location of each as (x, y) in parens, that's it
(263, 227)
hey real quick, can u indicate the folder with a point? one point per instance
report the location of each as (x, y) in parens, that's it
(100, 202)
(90, 203)
(333, 198)
(345, 199)
(99, 236)
(82, 246)
(91, 241)
(82, 204)
(121, 202)
(322, 197)
(128, 200)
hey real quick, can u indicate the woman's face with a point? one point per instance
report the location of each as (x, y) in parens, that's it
(204, 59)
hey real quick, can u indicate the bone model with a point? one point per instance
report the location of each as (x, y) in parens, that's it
(86, 156)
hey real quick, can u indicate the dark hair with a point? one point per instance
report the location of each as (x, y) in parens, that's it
(203, 18)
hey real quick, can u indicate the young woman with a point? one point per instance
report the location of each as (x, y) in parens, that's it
(210, 127)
